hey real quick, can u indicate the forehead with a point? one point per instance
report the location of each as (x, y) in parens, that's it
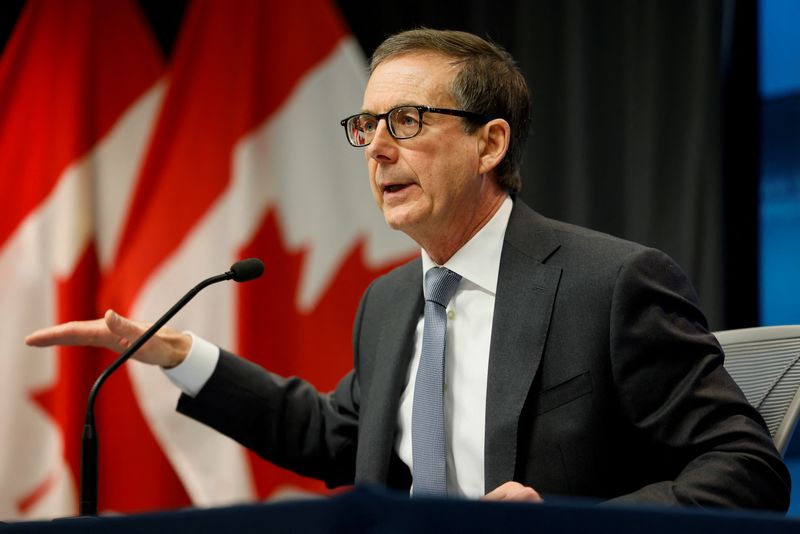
(422, 78)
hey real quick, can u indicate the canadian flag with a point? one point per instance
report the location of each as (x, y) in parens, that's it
(124, 182)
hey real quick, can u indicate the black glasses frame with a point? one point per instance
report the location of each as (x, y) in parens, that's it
(478, 118)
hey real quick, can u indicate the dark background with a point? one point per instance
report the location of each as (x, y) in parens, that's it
(645, 119)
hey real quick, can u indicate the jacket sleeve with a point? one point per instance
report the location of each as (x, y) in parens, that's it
(284, 420)
(668, 371)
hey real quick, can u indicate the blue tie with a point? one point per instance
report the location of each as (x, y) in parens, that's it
(428, 446)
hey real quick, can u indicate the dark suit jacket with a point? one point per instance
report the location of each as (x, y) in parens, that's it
(603, 382)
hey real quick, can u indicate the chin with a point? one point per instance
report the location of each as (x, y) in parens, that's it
(394, 225)
(397, 219)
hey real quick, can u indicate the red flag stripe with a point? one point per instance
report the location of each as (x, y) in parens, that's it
(46, 69)
(71, 73)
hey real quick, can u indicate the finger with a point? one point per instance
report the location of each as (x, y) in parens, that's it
(500, 492)
(525, 494)
(88, 333)
(123, 328)
(513, 491)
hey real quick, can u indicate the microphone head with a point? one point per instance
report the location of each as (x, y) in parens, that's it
(246, 270)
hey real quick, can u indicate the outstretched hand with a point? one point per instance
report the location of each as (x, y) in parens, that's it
(167, 348)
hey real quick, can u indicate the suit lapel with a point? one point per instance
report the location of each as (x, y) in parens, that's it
(395, 348)
(526, 290)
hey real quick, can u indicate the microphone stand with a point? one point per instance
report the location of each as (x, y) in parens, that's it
(88, 499)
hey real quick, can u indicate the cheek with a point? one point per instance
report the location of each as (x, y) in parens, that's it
(371, 170)
(452, 176)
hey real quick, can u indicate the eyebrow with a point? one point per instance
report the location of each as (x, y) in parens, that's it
(400, 105)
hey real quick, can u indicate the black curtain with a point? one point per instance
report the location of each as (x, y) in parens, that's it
(628, 140)
(629, 122)
(645, 123)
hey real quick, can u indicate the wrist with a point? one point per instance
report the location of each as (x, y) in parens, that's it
(180, 344)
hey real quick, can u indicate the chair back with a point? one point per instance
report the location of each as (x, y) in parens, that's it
(765, 363)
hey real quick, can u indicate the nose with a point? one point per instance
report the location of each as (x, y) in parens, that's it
(383, 147)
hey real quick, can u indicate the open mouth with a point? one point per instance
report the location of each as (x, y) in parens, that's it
(394, 188)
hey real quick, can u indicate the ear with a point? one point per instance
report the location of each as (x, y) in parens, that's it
(494, 139)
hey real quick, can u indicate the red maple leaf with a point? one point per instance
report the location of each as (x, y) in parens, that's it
(315, 345)
(134, 474)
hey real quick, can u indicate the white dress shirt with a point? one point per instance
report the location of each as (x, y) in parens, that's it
(469, 331)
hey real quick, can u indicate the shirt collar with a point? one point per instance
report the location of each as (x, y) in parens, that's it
(479, 259)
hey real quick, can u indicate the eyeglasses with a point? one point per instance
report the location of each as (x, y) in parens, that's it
(404, 122)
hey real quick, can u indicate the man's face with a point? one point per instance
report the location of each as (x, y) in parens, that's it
(429, 184)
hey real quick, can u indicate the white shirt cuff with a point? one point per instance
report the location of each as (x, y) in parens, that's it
(193, 373)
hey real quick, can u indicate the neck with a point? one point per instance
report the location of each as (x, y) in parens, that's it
(441, 246)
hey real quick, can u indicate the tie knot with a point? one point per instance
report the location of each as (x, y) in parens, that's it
(441, 284)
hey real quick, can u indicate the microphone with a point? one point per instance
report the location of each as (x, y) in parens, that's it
(241, 271)
(246, 270)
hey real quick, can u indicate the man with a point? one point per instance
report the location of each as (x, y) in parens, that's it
(573, 363)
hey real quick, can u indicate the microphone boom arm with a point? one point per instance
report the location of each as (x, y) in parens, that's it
(241, 271)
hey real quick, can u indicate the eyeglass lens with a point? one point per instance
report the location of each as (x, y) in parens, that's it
(404, 122)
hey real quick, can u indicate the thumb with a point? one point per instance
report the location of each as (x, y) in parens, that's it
(122, 327)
